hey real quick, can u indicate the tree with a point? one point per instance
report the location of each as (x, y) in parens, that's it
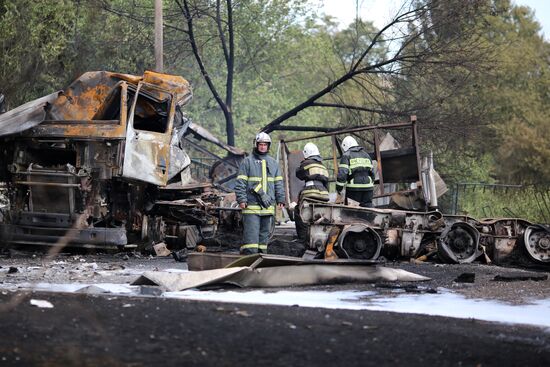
(412, 41)
(252, 36)
(518, 93)
(47, 44)
(35, 36)
(190, 11)
(496, 108)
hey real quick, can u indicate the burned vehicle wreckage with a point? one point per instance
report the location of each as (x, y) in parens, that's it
(406, 223)
(105, 163)
(101, 164)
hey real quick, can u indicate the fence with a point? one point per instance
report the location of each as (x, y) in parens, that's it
(200, 168)
(482, 200)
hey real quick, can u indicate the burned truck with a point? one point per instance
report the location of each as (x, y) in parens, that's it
(406, 222)
(101, 164)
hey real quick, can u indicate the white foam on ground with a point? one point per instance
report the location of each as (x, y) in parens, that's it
(444, 303)
(339, 299)
(537, 312)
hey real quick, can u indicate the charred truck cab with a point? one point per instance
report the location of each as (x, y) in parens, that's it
(83, 166)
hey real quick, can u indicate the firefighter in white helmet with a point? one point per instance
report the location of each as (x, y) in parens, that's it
(355, 173)
(259, 188)
(315, 175)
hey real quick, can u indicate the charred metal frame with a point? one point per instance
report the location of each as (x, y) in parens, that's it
(380, 157)
(367, 233)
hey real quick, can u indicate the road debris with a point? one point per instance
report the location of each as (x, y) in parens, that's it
(514, 277)
(278, 271)
(465, 278)
(40, 303)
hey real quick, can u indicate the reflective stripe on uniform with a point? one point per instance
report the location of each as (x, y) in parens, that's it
(314, 191)
(242, 177)
(359, 163)
(352, 184)
(340, 184)
(342, 165)
(259, 179)
(264, 175)
(250, 245)
(254, 179)
(258, 187)
(257, 209)
(359, 186)
(316, 169)
(262, 247)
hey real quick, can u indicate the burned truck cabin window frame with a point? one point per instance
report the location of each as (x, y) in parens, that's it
(110, 109)
(151, 114)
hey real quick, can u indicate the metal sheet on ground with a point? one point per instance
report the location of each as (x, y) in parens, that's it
(277, 276)
(266, 260)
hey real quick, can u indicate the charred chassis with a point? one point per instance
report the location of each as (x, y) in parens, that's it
(410, 226)
(368, 233)
(100, 164)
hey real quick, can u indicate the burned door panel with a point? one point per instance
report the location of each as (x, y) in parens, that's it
(148, 137)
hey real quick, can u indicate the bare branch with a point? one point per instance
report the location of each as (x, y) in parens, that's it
(224, 105)
(220, 30)
(358, 108)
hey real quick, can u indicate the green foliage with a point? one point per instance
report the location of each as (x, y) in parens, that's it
(495, 104)
(528, 202)
(47, 44)
(518, 93)
(105, 41)
(481, 98)
(281, 56)
(35, 36)
(474, 191)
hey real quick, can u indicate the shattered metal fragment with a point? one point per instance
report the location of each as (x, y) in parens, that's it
(465, 278)
(514, 277)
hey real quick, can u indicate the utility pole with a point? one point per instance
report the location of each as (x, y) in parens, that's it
(158, 37)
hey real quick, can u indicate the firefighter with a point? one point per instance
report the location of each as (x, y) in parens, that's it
(355, 173)
(315, 175)
(259, 188)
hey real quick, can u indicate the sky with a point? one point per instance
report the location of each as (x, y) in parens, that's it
(380, 11)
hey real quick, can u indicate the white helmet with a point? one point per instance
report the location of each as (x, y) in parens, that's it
(349, 142)
(310, 149)
(262, 138)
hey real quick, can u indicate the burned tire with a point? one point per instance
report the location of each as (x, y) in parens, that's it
(359, 242)
(459, 243)
(537, 243)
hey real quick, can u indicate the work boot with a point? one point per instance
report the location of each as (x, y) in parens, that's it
(249, 251)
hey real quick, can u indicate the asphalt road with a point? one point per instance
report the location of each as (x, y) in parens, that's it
(102, 330)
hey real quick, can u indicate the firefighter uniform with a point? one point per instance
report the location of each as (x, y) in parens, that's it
(315, 175)
(355, 173)
(260, 185)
